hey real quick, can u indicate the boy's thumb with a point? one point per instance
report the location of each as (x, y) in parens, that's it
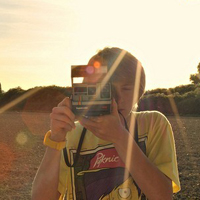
(65, 102)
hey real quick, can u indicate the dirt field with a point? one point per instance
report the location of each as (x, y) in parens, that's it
(21, 150)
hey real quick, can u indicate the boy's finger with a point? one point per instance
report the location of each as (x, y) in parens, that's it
(64, 111)
(63, 118)
(65, 102)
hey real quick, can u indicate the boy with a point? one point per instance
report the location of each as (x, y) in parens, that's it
(112, 163)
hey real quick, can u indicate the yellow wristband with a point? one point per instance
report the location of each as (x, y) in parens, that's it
(50, 143)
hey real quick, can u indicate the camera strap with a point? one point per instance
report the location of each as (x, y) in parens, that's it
(78, 150)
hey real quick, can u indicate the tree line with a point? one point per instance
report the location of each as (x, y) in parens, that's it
(182, 100)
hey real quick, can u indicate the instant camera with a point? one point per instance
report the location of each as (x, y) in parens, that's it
(90, 99)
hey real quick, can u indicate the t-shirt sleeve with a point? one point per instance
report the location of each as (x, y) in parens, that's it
(161, 148)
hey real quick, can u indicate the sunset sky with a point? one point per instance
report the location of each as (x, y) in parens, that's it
(41, 39)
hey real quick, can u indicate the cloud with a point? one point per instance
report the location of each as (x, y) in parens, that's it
(11, 4)
(33, 17)
(12, 13)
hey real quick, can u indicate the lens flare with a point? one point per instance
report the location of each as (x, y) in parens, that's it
(178, 120)
(21, 138)
(90, 69)
(6, 160)
(97, 64)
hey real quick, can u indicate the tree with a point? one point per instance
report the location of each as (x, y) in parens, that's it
(195, 78)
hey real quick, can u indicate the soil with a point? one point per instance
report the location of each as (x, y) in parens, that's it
(21, 151)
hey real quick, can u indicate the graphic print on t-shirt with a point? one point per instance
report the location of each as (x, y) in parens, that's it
(98, 175)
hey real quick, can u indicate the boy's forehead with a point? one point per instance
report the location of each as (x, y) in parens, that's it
(123, 82)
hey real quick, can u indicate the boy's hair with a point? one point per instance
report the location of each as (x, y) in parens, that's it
(127, 68)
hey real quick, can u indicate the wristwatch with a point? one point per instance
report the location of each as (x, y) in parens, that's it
(52, 144)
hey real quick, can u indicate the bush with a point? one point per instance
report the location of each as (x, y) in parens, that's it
(10, 96)
(43, 100)
(46, 98)
(159, 102)
(186, 99)
(183, 89)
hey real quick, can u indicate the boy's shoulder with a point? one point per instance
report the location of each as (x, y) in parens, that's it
(151, 118)
(151, 115)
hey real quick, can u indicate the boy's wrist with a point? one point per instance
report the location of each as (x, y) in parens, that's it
(57, 137)
(123, 137)
(53, 144)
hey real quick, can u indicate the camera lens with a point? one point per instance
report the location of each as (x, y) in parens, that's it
(91, 90)
(105, 95)
(105, 92)
(106, 88)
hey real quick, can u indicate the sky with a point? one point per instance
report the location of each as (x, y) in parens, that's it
(41, 39)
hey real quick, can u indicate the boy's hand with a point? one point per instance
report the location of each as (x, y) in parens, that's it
(106, 127)
(62, 120)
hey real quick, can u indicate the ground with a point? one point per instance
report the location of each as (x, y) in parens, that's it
(21, 151)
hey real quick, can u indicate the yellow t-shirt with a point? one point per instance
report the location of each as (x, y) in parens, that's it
(100, 173)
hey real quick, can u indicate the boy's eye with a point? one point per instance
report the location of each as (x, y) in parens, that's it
(127, 88)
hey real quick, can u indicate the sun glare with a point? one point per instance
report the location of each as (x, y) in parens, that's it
(21, 138)
(97, 64)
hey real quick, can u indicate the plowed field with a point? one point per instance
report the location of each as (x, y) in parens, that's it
(21, 151)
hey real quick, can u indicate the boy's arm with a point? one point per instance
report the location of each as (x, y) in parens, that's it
(45, 185)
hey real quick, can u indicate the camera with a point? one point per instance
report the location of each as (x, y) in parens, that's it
(90, 99)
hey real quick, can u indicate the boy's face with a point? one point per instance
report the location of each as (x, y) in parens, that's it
(122, 92)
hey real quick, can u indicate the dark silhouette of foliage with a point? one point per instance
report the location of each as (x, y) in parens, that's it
(184, 99)
(10, 96)
(157, 91)
(46, 98)
(195, 78)
(43, 100)
(182, 89)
